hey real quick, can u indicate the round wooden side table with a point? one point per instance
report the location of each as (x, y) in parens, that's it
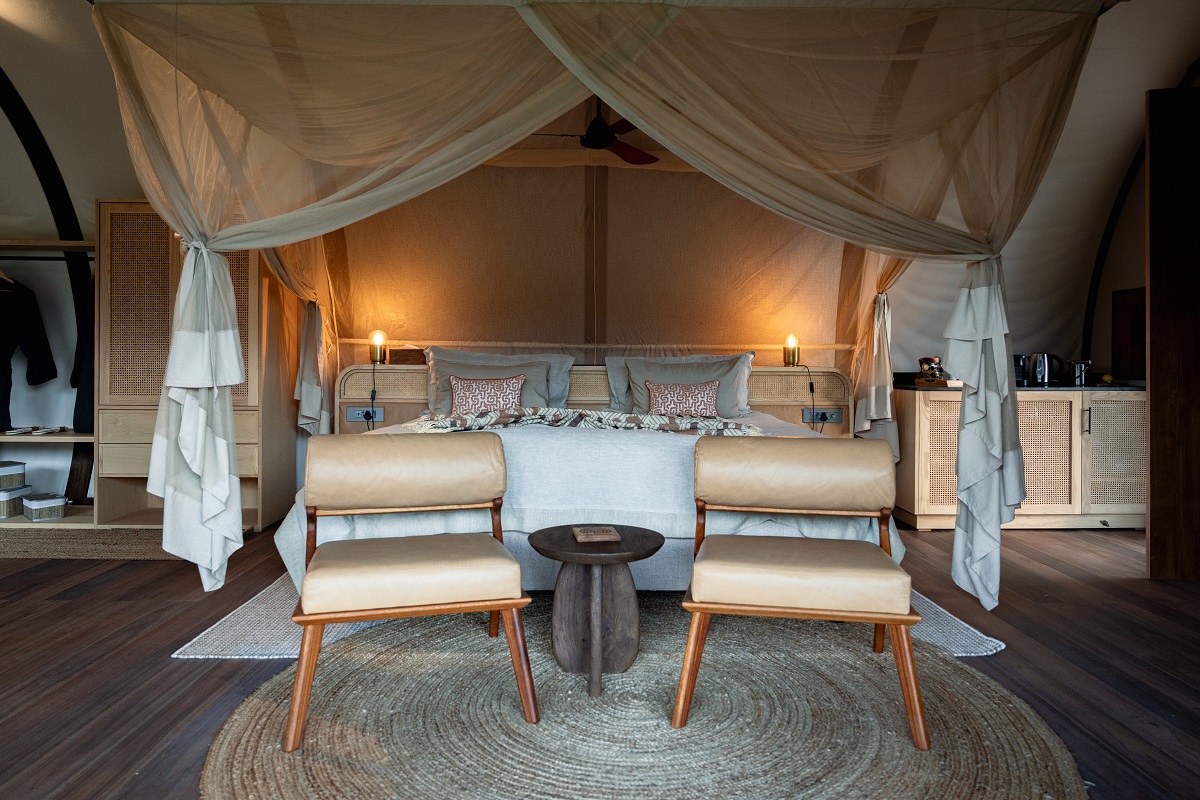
(595, 616)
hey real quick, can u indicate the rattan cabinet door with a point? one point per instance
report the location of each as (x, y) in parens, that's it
(938, 459)
(1050, 440)
(136, 271)
(1114, 453)
(138, 268)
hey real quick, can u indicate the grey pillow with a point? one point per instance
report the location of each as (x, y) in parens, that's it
(558, 369)
(533, 391)
(726, 371)
(620, 398)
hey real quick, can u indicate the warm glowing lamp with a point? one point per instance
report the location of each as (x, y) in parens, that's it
(377, 340)
(791, 351)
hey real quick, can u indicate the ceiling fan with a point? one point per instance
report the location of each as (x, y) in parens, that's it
(602, 135)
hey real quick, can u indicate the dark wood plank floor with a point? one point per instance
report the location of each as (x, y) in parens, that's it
(92, 706)
(91, 703)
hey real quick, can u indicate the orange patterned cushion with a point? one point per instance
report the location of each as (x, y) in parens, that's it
(683, 399)
(472, 395)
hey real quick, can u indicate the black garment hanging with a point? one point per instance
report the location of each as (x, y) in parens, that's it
(21, 326)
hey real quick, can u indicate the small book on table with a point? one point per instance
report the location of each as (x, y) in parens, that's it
(595, 533)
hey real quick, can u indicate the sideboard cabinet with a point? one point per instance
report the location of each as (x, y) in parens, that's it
(1085, 457)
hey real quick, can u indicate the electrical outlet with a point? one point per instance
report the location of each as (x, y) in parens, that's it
(364, 414)
(815, 416)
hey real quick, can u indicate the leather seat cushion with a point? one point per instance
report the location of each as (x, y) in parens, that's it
(357, 574)
(794, 572)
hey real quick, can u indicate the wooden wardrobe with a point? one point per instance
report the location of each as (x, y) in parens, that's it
(138, 264)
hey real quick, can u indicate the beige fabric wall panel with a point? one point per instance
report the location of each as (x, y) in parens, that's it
(495, 255)
(690, 261)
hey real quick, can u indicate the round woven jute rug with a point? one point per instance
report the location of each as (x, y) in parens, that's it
(428, 709)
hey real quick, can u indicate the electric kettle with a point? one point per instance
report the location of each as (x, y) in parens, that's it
(1043, 369)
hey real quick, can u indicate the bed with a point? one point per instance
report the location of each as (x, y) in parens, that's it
(568, 475)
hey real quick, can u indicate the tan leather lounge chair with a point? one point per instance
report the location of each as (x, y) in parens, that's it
(778, 576)
(411, 576)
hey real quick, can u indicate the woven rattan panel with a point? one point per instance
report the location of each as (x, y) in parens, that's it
(139, 304)
(792, 387)
(588, 387)
(1046, 441)
(239, 272)
(389, 383)
(943, 451)
(1117, 452)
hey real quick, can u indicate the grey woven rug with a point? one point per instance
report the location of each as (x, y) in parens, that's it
(263, 628)
(784, 709)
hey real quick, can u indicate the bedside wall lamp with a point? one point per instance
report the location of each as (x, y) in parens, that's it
(376, 341)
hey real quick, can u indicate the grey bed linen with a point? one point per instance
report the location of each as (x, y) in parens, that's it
(559, 476)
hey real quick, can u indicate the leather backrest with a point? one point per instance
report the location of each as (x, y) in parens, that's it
(346, 471)
(795, 473)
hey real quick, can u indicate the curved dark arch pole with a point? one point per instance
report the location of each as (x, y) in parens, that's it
(1110, 227)
(78, 270)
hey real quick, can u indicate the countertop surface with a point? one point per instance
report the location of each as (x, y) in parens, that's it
(1097, 387)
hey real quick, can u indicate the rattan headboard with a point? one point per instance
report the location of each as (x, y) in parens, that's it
(401, 391)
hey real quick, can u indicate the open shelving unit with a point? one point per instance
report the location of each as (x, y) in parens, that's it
(77, 516)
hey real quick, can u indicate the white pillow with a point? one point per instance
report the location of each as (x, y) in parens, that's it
(558, 368)
(620, 398)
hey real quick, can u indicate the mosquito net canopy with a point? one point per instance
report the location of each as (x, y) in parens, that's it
(908, 128)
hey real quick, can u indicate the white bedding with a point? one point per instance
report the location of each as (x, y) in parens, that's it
(559, 476)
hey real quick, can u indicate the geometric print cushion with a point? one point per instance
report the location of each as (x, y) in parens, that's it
(473, 395)
(683, 399)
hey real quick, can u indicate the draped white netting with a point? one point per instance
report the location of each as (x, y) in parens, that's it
(913, 128)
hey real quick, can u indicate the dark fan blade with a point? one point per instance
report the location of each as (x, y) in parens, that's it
(631, 154)
(622, 126)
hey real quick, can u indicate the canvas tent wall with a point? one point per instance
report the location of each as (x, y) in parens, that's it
(882, 138)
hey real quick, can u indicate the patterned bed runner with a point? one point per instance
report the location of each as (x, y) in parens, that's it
(579, 418)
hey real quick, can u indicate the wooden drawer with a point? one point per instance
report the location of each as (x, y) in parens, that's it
(133, 460)
(137, 427)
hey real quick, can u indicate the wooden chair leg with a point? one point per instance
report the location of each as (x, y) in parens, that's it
(494, 624)
(515, 633)
(877, 645)
(906, 665)
(697, 634)
(306, 667)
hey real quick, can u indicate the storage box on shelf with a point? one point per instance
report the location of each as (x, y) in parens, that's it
(137, 271)
(77, 516)
(12, 473)
(1085, 457)
(44, 507)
